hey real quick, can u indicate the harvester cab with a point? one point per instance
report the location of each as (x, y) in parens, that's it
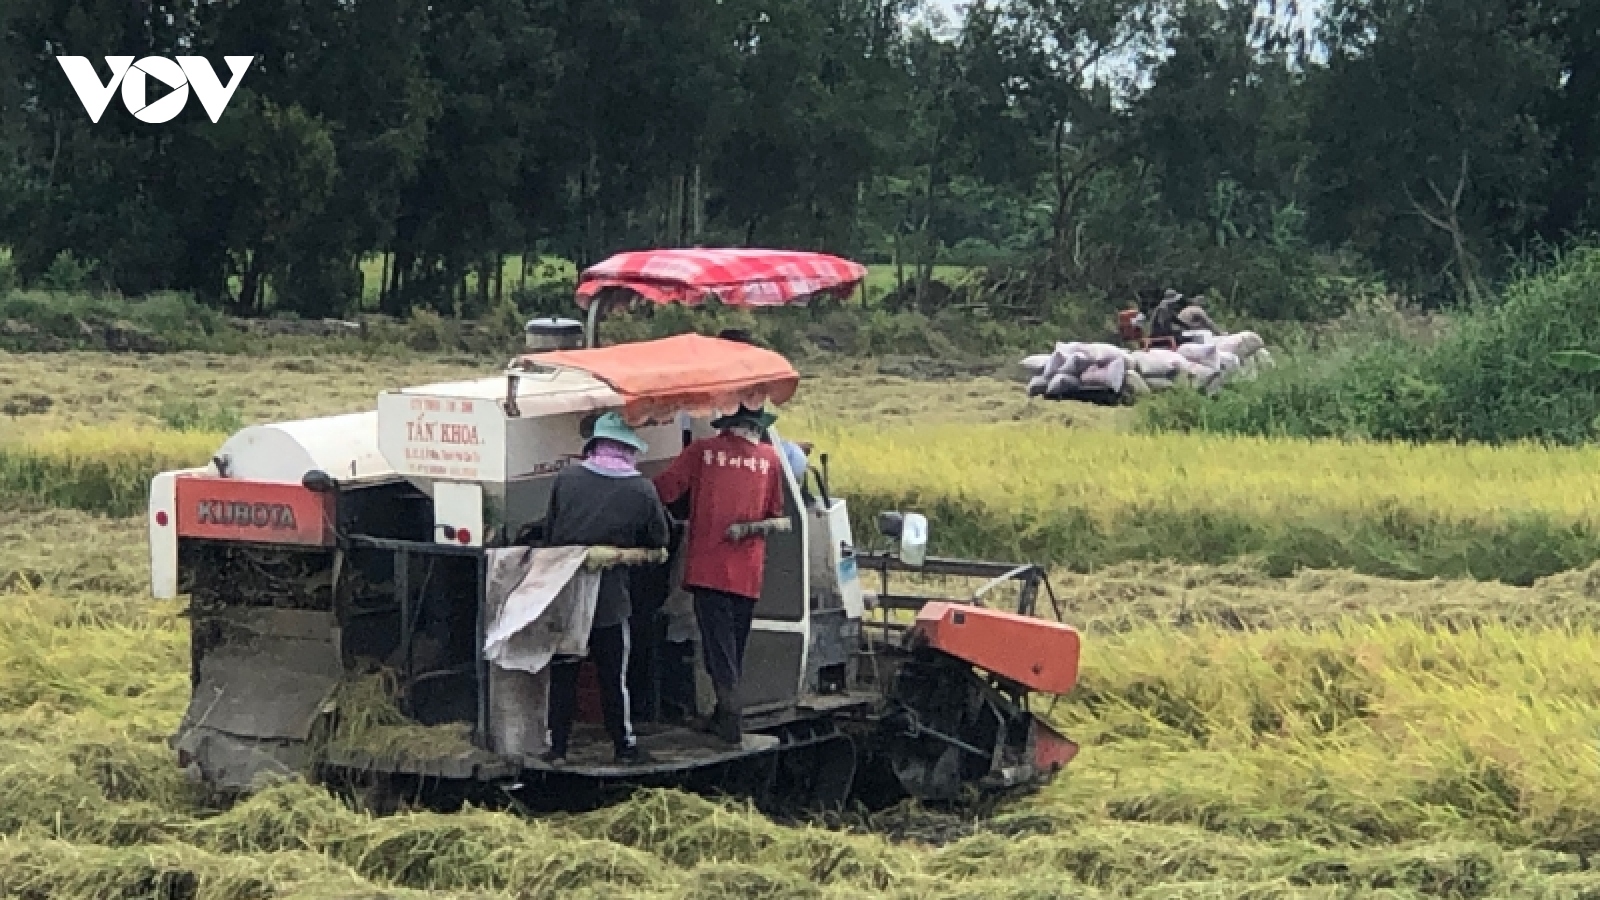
(316, 552)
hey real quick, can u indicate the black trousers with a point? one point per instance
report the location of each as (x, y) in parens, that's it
(724, 630)
(647, 632)
(608, 647)
(676, 673)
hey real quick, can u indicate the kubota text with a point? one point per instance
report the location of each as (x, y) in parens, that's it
(277, 516)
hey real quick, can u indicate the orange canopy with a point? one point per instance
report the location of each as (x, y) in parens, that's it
(689, 373)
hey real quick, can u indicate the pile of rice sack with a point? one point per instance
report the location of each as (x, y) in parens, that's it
(1080, 371)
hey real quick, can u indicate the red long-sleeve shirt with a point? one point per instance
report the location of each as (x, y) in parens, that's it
(729, 480)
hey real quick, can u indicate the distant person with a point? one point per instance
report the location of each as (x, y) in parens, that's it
(1164, 320)
(1194, 318)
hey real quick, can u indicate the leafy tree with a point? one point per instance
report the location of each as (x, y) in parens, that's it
(265, 174)
(1431, 156)
(1575, 116)
(1057, 75)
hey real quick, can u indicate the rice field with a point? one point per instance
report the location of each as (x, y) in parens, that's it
(1035, 468)
(1086, 498)
(1347, 743)
(1078, 497)
(47, 392)
(1258, 719)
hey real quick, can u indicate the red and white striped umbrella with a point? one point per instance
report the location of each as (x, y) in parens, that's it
(735, 277)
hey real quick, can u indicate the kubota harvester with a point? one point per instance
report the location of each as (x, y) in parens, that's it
(314, 550)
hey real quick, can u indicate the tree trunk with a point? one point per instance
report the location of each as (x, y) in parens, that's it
(683, 211)
(398, 274)
(55, 155)
(484, 275)
(586, 242)
(677, 209)
(249, 287)
(698, 206)
(899, 267)
(383, 282)
(1448, 220)
(929, 246)
(1058, 221)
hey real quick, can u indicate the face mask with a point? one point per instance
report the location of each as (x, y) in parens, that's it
(611, 457)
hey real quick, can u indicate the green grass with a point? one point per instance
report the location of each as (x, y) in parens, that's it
(881, 280)
(546, 270)
(1487, 379)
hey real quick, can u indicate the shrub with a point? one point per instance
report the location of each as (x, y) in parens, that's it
(1488, 380)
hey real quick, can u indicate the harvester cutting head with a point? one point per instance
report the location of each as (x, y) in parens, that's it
(959, 707)
(1034, 654)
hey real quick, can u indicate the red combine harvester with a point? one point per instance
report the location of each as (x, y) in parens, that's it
(315, 550)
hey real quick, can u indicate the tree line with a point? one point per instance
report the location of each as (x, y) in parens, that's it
(1096, 149)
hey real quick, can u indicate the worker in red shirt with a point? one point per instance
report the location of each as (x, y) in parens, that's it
(735, 488)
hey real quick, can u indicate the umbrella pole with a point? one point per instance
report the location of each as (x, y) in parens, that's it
(591, 330)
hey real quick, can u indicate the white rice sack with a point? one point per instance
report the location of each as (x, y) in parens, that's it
(1243, 344)
(1227, 362)
(1155, 363)
(1201, 336)
(1201, 374)
(1158, 384)
(1035, 365)
(1199, 354)
(1105, 354)
(1067, 364)
(1037, 385)
(1171, 360)
(1109, 375)
(1063, 386)
(1068, 359)
(1135, 384)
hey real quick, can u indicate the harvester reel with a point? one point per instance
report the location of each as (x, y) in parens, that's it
(946, 728)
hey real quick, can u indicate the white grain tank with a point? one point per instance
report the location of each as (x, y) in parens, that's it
(345, 447)
(487, 450)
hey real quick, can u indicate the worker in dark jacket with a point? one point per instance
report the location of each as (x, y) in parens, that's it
(1164, 320)
(734, 482)
(603, 502)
